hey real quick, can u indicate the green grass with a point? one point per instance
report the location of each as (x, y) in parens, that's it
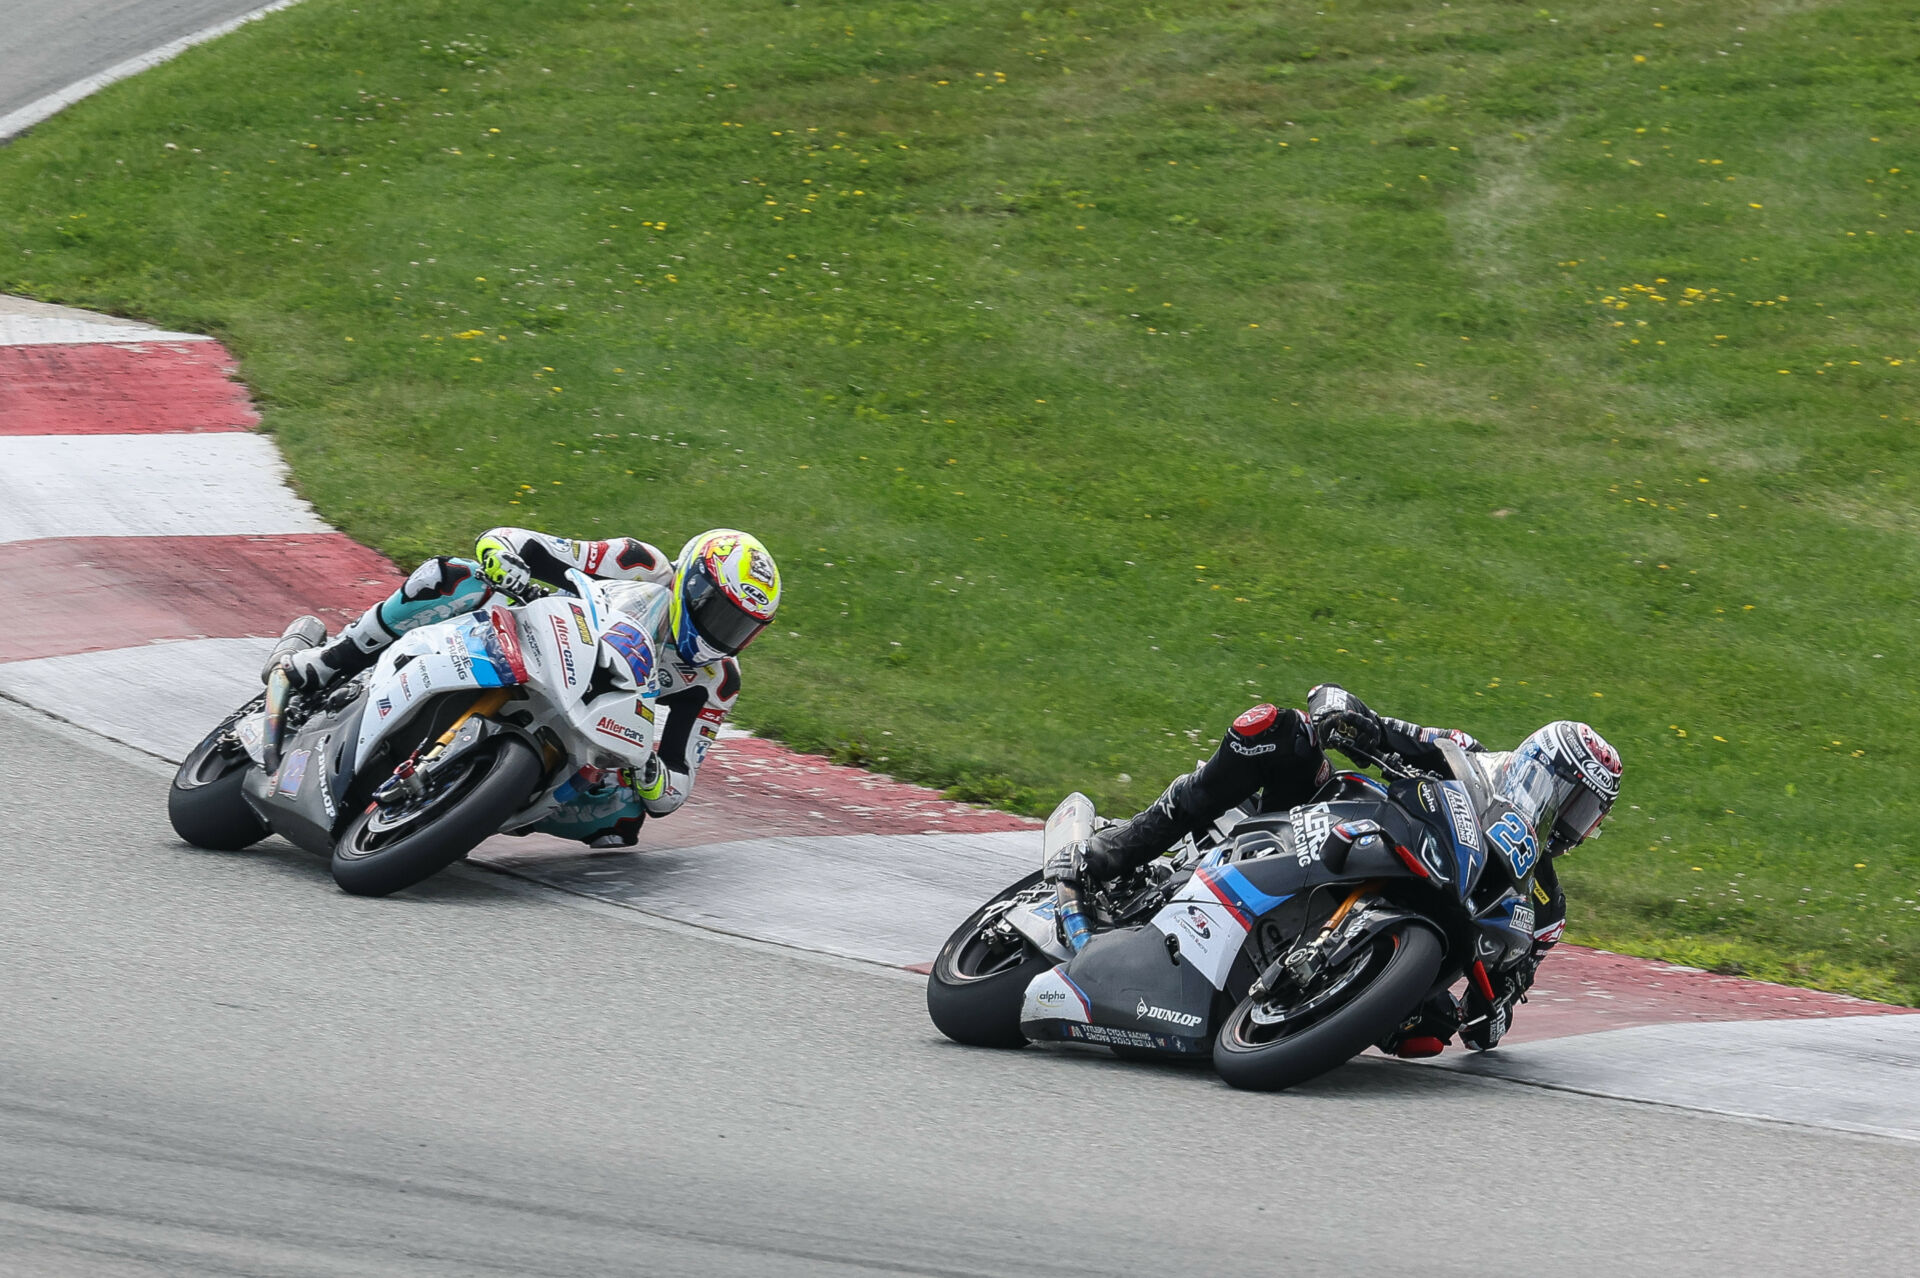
(1098, 370)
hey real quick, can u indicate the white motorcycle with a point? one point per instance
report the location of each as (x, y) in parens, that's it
(462, 729)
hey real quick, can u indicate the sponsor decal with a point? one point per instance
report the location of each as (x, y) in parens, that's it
(405, 691)
(580, 625)
(1147, 1011)
(385, 706)
(294, 771)
(755, 596)
(596, 551)
(713, 714)
(1523, 918)
(644, 710)
(1429, 796)
(1540, 893)
(1197, 922)
(1551, 933)
(1255, 721)
(565, 646)
(1311, 827)
(326, 788)
(462, 665)
(1466, 827)
(1051, 999)
(426, 680)
(1251, 751)
(614, 728)
(1598, 762)
(1112, 1037)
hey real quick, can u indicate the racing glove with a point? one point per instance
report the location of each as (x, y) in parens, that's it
(1068, 864)
(1342, 720)
(504, 569)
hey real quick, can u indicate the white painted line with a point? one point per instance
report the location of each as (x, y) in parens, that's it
(26, 117)
(163, 485)
(1846, 1073)
(161, 698)
(17, 330)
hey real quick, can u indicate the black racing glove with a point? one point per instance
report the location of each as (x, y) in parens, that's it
(1342, 721)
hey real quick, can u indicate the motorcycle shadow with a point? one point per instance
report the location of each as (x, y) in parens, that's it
(1369, 1076)
(308, 871)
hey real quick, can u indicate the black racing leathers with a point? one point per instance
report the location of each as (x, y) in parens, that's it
(1268, 751)
(1276, 754)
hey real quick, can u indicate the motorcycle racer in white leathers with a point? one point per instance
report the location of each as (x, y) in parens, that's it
(700, 609)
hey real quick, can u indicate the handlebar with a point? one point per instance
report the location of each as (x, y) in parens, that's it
(1388, 761)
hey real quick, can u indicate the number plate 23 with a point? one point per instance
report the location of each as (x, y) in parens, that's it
(1516, 842)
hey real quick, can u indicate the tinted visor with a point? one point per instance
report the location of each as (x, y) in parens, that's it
(1581, 816)
(722, 623)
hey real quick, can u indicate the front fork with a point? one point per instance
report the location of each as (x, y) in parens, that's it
(411, 780)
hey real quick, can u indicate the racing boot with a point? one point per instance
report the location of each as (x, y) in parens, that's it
(1130, 844)
(348, 653)
(438, 589)
(1427, 1031)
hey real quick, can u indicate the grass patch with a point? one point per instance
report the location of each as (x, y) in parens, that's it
(1098, 371)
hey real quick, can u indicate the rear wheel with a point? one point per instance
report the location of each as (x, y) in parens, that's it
(204, 803)
(385, 849)
(1266, 1046)
(979, 981)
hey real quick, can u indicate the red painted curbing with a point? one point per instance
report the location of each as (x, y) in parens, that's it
(752, 789)
(90, 594)
(99, 389)
(1580, 991)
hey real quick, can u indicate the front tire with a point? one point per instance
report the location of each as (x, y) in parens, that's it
(372, 860)
(977, 987)
(1401, 968)
(205, 803)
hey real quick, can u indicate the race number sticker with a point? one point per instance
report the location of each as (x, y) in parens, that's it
(1515, 841)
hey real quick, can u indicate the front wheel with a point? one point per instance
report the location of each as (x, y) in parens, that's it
(979, 981)
(385, 849)
(204, 803)
(1266, 1046)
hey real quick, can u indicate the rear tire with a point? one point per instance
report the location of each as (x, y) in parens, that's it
(1250, 1055)
(205, 803)
(366, 863)
(974, 994)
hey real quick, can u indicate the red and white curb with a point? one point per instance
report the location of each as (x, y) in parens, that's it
(151, 546)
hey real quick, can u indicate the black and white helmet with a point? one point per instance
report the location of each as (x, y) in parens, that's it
(1563, 779)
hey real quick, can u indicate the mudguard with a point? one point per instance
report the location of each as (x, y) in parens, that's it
(1125, 989)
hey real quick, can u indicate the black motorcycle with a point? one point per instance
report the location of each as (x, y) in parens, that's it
(1283, 943)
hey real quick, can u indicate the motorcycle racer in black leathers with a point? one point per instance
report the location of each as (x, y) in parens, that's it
(1563, 779)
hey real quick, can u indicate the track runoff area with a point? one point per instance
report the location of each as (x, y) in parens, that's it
(151, 549)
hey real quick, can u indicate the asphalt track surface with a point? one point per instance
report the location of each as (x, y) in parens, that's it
(46, 45)
(218, 1064)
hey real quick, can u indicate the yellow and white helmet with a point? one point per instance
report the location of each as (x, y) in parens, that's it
(725, 590)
